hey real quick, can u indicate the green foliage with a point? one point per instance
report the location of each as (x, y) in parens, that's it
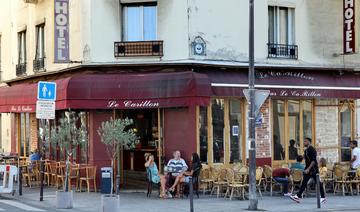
(116, 133)
(67, 134)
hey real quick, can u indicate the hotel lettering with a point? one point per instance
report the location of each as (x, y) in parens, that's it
(61, 35)
(349, 26)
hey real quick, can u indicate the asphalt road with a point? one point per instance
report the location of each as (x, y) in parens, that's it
(16, 206)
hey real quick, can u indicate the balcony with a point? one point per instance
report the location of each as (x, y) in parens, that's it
(21, 69)
(282, 51)
(39, 65)
(31, 1)
(138, 48)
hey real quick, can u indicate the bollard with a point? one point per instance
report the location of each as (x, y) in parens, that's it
(20, 181)
(318, 190)
(42, 180)
(191, 191)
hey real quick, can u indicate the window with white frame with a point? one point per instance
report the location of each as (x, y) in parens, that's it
(40, 42)
(22, 47)
(281, 25)
(139, 22)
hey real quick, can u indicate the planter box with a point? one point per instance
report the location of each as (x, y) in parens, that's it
(64, 200)
(110, 203)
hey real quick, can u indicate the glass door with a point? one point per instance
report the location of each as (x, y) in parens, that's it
(292, 122)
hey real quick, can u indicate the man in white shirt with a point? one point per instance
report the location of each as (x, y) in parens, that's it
(355, 155)
(177, 165)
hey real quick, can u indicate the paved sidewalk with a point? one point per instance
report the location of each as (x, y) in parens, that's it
(137, 202)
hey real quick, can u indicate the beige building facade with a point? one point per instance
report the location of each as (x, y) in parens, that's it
(299, 51)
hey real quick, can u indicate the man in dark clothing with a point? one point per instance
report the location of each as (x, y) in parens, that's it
(281, 175)
(311, 169)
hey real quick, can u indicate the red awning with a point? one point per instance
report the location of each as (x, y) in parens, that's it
(288, 83)
(115, 91)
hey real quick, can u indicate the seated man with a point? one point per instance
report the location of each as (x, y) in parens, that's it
(281, 175)
(298, 164)
(177, 165)
(35, 156)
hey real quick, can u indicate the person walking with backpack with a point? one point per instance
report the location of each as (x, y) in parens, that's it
(311, 169)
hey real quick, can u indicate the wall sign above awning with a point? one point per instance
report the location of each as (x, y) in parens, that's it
(294, 84)
(349, 26)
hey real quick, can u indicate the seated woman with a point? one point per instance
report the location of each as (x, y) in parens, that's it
(185, 177)
(322, 169)
(155, 176)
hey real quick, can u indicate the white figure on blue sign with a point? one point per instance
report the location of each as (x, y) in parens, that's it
(44, 90)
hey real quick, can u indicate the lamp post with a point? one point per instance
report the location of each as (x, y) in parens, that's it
(253, 201)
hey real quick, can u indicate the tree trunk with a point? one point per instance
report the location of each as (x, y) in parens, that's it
(66, 188)
(112, 177)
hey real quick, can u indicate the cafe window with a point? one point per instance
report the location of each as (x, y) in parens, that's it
(235, 119)
(139, 22)
(23, 134)
(292, 122)
(203, 133)
(346, 129)
(52, 151)
(217, 113)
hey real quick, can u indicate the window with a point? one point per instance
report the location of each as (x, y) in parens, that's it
(23, 134)
(40, 41)
(0, 60)
(281, 25)
(217, 109)
(139, 22)
(39, 62)
(346, 129)
(297, 116)
(235, 119)
(22, 47)
(203, 133)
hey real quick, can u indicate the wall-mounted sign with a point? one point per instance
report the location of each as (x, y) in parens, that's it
(235, 130)
(349, 26)
(61, 34)
(133, 104)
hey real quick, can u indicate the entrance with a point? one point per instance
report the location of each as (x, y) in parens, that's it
(148, 128)
(292, 122)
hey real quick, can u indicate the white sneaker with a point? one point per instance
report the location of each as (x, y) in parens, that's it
(322, 200)
(295, 198)
(287, 195)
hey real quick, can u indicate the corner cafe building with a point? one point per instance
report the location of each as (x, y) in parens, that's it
(192, 108)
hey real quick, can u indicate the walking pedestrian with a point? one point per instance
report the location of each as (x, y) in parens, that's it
(311, 169)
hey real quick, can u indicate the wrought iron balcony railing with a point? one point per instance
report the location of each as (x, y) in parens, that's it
(138, 48)
(20, 69)
(39, 64)
(282, 51)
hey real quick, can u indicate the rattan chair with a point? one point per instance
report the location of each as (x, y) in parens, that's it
(220, 182)
(341, 179)
(296, 178)
(205, 179)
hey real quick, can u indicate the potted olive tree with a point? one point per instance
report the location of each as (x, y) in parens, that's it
(67, 134)
(115, 133)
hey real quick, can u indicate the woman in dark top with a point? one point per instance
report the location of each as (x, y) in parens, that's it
(185, 177)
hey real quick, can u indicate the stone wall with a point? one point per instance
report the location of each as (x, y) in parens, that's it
(326, 123)
(263, 142)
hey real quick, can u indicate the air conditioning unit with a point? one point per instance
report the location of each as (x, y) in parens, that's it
(31, 1)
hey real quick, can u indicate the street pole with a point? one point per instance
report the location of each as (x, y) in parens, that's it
(253, 202)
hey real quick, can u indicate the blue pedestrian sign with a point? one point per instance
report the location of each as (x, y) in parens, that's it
(46, 91)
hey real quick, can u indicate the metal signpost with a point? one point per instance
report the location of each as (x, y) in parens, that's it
(251, 95)
(45, 109)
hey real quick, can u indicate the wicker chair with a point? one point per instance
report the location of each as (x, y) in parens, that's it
(259, 178)
(206, 179)
(296, 178)
(341, 179)
(220, 182)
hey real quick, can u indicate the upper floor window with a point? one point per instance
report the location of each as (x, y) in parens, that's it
(21, 66)
(282, 33)
(40, 41)
(39, 62)
(139, 22)
(22, 47)
(281, 25)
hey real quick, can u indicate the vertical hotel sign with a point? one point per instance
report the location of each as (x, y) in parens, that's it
(61, 35)
(349, 26)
